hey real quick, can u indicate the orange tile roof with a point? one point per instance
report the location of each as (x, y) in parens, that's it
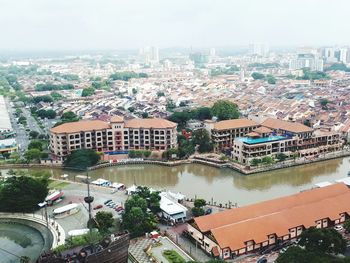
(233, 227)
(262, 130)
(156, 123)
(286, 125)
(234, 124)
(79, 126)
(117, 119)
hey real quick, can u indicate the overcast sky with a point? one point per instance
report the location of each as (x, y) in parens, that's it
(120, 24)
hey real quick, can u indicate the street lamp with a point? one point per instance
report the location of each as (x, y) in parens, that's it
(87, 199)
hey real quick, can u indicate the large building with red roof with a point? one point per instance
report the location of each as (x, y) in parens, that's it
(116, 135)
(254, 227)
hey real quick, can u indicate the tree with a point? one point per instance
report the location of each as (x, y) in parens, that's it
(296, 254)
(255, 162)
(56, 96)
(202, 113)
(257, 75)
(45, 98)
(134, 91)
(69, 116)
(82, 159)
(225, 110)
(198, 210)
(131, 109)
(183, 104)
(144, 115)
(35, 145)
(324, 103)
(6, 155)
(307, 123)
(338, 66)
(347, 225)
(136, 219)
(104, 221)
(323, 240)
(23, 194)
(32, 154)
(201, 137)
(170, 105)
(88, 92)
(50, 114)
(33, 134)
(152, 198)
(126, 75)
(160, 94)
(271, 79)
(267, 159)
(199, 202)
(281, 157)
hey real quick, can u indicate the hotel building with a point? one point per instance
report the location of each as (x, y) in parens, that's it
(290, 138)
(116, 135)
(254, 227)
(223, 133)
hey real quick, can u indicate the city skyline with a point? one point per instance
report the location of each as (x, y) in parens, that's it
(86, 25)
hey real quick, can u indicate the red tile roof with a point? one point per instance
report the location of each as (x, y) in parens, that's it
(286, 125)
(80, 126)
(234, 124)
(233, 227)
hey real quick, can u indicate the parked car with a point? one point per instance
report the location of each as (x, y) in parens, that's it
(119, 208)
(283, 250)
(121, 212)
(338, 228)
(108, 201)
(98, 207)
(262, 260)
(208, 211)
(111, 204)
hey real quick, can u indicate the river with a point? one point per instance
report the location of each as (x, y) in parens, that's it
(221, 185)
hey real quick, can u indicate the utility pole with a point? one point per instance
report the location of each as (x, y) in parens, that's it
(89, 199)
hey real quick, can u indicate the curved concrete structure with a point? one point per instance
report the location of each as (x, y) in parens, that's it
(58, 234)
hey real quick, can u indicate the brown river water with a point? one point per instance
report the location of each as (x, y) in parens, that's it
(220, 185)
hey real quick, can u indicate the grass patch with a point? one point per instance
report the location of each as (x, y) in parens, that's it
(57, 184)
(173, 257)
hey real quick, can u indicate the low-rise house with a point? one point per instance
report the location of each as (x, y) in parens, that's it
(171, 209)
(252, 228)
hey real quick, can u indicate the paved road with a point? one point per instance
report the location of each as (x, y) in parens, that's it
(21, 135)
(75, 193)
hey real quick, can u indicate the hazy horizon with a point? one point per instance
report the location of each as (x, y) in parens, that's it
(67, 25)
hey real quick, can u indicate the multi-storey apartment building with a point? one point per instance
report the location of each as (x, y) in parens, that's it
(223, 133)
(116, 135)
(278, 136)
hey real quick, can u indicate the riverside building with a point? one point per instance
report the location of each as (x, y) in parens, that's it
(223, 133)
(253, 228)
(290, 138)
(116, 135)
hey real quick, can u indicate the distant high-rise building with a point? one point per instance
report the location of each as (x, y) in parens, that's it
(150, 55)
(306, 61)
(343, 55)
(330, 55)
(212, 52)
(199, 58)
(260, 49)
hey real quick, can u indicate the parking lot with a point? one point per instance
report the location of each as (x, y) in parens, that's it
(75, 193)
